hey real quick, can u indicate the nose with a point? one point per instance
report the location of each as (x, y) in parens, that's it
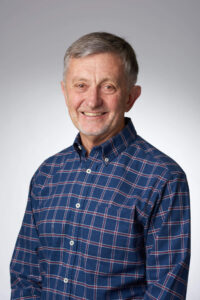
(94, 99)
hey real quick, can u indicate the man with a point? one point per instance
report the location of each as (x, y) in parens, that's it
(108, 217)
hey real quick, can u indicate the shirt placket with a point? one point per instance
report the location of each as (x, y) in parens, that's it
(86, 176)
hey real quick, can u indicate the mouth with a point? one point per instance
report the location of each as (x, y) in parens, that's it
(93, 114)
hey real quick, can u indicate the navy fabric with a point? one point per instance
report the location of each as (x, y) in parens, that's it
(113, 225)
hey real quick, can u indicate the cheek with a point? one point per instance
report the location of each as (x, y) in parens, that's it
(116, 104)
(73, 101)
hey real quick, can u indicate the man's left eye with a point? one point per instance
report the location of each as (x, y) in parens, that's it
(109, 88)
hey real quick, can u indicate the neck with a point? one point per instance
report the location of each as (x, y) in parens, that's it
(91, 141)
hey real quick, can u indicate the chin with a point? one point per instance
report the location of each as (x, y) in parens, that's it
(93, 132)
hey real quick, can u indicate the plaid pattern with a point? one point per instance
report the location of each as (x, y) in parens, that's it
(114, 225)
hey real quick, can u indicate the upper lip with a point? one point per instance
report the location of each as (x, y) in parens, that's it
(93, 112)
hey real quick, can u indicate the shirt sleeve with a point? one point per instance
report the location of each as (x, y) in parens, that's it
(24, 267)
(168, 243)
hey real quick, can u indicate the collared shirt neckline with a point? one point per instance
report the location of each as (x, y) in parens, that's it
(111, 148)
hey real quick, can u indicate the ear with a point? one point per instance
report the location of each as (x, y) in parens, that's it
(134, 93)
(63, 88)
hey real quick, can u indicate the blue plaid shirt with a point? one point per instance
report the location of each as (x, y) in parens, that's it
(114, 225)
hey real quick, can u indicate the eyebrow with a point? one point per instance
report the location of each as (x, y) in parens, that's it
(109, 79)
(79, 79)
(102, 81)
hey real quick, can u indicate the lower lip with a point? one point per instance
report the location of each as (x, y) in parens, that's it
(93, 117)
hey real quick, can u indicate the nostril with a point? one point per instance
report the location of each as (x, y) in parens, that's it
(94, 103)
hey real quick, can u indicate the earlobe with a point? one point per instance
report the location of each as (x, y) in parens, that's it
(134, 94)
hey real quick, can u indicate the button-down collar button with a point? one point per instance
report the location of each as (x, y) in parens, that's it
(106, 159)
(78, 205)
(88, 171)
(71, 243)
(65, 280)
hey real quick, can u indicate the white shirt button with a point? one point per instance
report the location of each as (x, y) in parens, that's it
(65, 280)
(71, 243)
(79, 147)
(88, 171)
(106, 159)
(78, 205)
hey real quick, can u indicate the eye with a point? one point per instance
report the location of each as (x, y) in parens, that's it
(80, 86)
(109, 88)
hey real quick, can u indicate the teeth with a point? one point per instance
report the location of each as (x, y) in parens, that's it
(92, 114)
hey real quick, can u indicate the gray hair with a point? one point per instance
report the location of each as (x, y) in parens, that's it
(103, 42)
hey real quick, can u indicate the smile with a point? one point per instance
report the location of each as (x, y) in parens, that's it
(90, 114)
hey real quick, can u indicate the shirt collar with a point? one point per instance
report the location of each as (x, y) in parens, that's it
(112, 147)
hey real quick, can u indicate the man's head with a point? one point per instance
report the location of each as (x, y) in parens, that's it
(103, 42)
(99, 85)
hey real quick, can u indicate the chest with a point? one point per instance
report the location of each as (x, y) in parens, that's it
(93, 202)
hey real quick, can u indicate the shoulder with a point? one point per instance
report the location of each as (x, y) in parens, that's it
(160, 162)
(52, 165)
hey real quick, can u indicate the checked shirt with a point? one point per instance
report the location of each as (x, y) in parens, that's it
(113, 225)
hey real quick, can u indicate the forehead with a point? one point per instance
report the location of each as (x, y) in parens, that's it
(110, 63)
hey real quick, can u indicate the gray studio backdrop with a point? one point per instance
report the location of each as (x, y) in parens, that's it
(35, 123)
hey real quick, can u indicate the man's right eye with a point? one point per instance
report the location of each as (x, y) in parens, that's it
(80, 86)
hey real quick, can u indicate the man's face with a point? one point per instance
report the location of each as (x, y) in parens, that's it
(97, 96)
